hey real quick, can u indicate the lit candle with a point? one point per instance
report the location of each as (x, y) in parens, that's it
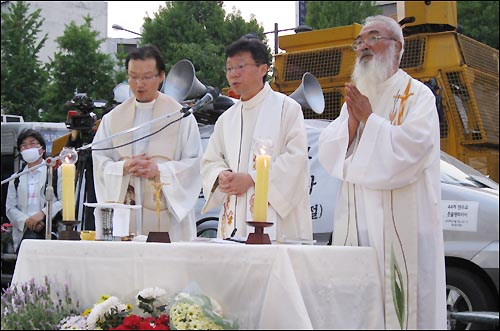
(68, 191)
(262, 165)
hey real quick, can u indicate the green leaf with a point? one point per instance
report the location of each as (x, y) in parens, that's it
(398, 292)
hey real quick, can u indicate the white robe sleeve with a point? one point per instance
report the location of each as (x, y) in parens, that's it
(183, 173)
(212, 163)
(333, 143)
(109, 182)
(290, 171)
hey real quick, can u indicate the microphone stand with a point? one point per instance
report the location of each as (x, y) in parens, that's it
(49, 196)
(183, 111)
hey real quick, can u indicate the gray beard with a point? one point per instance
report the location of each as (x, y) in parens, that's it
(368, 75)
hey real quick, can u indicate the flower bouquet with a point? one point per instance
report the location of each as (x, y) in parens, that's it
(196, 311)
(110, 314)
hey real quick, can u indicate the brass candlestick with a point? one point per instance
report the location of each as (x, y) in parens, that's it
(161, 237)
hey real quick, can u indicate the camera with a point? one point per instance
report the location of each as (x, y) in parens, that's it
(82, 117)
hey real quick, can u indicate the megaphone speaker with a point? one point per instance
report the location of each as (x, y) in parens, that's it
(309, 94)
(181, 82)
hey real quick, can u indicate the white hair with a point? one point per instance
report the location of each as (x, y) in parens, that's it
(394, 27)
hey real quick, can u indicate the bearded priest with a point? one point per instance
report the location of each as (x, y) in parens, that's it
(385, 146)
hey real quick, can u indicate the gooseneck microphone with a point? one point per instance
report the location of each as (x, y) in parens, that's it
(209, 97)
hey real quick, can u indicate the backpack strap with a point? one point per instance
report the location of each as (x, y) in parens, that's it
(16, 180)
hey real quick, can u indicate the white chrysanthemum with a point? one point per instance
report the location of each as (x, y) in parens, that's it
(100, 309)
(152, 293)
(73, 323)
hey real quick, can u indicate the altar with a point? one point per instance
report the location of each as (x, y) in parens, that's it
(260, 286)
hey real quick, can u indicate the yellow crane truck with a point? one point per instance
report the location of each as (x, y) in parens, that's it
(462, 72)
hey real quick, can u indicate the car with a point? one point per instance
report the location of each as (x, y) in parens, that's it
(469, 205)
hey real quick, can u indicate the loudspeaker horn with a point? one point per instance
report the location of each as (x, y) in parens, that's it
(181, 82)
(309, 94)
(122, 92)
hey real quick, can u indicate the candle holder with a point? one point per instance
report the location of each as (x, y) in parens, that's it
(69, 233)
(259, 237)
(158, 237)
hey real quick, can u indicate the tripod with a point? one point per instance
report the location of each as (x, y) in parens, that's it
(84, 173)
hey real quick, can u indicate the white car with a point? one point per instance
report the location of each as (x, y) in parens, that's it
(470, 220)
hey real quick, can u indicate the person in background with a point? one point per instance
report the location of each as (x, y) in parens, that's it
(26, 206)
(228, 165)
(156, 166)
(385, 146)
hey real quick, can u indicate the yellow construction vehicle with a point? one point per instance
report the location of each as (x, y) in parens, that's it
(462, 72)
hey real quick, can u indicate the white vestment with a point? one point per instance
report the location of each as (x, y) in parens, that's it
(230, 148)
(392, 190)
(177, 151)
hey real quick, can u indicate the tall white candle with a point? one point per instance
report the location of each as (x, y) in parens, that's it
(262, 165)
(68, 191)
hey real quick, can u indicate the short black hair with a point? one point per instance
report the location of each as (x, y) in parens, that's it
(250, 43)
(146, 52)
(31, 133)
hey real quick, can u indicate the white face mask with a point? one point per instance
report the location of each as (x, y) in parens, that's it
(30, 155)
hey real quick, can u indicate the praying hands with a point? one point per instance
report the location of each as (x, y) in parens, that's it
(358, 105)
(141, 166)
(235, 183)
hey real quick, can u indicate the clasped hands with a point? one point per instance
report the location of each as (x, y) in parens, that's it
(234, 183)
(140, 166)
(36, 222)
(358, 105)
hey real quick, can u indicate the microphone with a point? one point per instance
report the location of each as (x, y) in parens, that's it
(209, 97)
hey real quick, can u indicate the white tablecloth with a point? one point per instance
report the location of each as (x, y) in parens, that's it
(260, 286)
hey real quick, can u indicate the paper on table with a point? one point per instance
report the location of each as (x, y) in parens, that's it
(121, 221)
(97, 214)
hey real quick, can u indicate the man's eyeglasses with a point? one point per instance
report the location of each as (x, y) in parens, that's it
(240, 67)
(142, 79)
(370, 41)
(30, 145)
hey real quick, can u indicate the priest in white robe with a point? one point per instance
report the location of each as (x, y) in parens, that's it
(385, 146)
(160, 172)
(228, 165)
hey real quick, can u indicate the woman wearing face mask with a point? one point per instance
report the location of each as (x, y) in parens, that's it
(26, 204)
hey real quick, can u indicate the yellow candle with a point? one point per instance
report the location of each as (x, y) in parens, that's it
(68, 191)
(262, 165)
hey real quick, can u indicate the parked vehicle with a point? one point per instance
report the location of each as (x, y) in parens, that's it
(470, 219)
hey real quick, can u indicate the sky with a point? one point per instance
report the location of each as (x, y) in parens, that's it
(130, 15)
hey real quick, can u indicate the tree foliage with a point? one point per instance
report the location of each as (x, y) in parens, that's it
(329, 14)
(479, 20)
(78, 67)
(22, 75)
(198, 31)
